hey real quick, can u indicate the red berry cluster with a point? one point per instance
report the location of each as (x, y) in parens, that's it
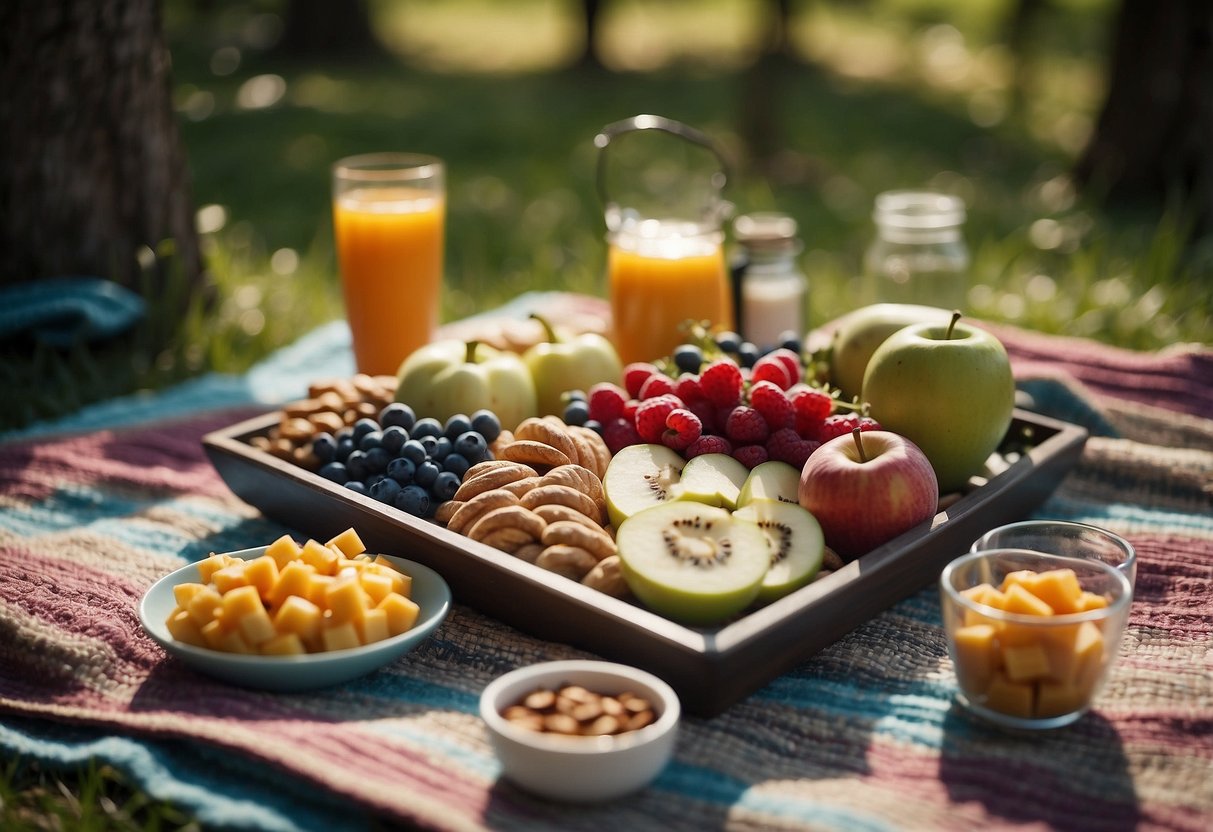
(753, 415)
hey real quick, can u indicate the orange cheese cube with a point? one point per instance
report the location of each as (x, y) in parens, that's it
(1024, 577)
(1057, 698)
(321, 557)
(348, 543)
(294, 579)
(256, 627)
(229, 578)
(316, 586)
(402, 584)
(183, 628)
(212, 634)
(1025, 663)
(211, 565)
(287, 644)
(401, 612)
(240, 602)
(231, 641)
(1088, 654)
(1059, 589)
(340, 636)
(375, 584)
(204, 606)
(1007, 697)
(974, 647)
(299, 616)
(262, 573)
(1019, 600)
(346, 600)
(1091, 601)
(184, 593)
(373, 626)
(283, 551)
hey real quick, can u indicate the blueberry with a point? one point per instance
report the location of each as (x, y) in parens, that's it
(748, 353)
(377, 460)
(728, 341)
(426, 473)
(789, 340)
(457, 464)
(394, 438)
(370, 440)
(430, 443)
(364, 426)
(426, 427)
(442, 449)
(471, 446)
(324, 446)
(397, 415)
(345, 446)
(401, 469)
(346, 432)
(335, 472)
(356, 486)
(688, 358)
(356, 465)
(573, 396)
(370, 480)
(456, 425)
(594, 425)
(413, 500)
(413, 451)
(486, 423)
(576, 413)
(445, 486)
(386, 490)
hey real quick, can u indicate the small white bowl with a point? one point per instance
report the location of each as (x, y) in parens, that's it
(295, 673)
(581, 769)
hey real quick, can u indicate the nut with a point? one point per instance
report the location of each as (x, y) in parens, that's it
(481, 504)
(595, 541)
(446, 511)
(555, 513)
(529, 551)
(575, 711)
(607, 577)
(509, 539)
(565, 496)
(553, 434)
(491, 479)
(511, 517)
(535, 453)
(522, 486)
(572, 562)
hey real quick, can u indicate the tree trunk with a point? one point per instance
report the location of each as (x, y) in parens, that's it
(1154, 137)
(92, 168)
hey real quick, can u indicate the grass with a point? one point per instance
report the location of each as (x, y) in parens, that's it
(884, 94)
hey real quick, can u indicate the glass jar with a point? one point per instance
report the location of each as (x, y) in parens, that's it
(919, 253)
(771, 291)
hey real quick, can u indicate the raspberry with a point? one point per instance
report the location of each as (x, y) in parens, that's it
(841, 424)
(790, 361)
(773, 404)
(629, 409)
(682, 428)
(721, 383)
(619, 433)
(635, 375)
(708, 444)
(811, 404)
(658, 384)
(772, 369)
(651, 415)
(746, 426)
(687, 388)
(787, 446)
(750, 455)
(706, 411)
(606, 401)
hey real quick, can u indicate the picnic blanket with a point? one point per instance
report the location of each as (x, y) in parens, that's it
(864, 735)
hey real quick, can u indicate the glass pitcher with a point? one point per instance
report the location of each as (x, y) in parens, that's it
(665, 258)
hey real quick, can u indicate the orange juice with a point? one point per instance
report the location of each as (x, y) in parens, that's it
(657, 283)
(389, 245)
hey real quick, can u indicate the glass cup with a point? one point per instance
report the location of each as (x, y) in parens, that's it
(388, 222)
(1066, 538)
(1017, 663)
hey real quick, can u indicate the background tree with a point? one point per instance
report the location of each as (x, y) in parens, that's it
(92, 168)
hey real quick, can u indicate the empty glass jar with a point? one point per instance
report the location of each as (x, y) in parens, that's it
(919, 253)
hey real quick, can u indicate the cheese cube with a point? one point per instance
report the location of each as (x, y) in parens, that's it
(256, 627)
(1007, 697)
(376, 585)
(262, 573)
(340, 636)
(373, 626)
(211, 565)
(1023, 577)
(183, 628)
(1019, 600)
(316, 586)
(401, 612)
(1091, 601)
(402, 584)
(231, 641)
(348, 543)
(1025, 663)
(204, 606)
(299, 616)
(294, 579)
(240, 602)
(321, 557)
(229, 578)
(283, 551)
(1059, 589)
(346, 600)
(1057, 698)
(184, 593)
(974, 647)
(287, 644)
(212, 634)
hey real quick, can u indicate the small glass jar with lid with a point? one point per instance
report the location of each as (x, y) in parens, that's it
(919, 253)
(771, 290)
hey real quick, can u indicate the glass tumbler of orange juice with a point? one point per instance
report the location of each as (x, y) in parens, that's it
(389, 214)
(662, 273)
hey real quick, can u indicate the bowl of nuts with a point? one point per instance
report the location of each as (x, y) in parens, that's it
(581, 731)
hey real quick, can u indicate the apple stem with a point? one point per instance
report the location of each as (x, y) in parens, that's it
(952, 323)
(470, 358)
(549, 334)
(855, 434)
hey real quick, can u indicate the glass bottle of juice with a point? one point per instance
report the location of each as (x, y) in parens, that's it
(919, 253)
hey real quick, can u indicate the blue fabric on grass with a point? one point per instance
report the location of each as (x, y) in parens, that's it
(62, 311)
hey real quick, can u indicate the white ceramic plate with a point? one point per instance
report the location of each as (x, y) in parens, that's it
(295, 673)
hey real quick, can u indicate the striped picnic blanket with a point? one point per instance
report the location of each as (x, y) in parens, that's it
(865, 735)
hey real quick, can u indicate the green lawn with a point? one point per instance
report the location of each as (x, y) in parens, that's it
(882, 94)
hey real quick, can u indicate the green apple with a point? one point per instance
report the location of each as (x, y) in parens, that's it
(948, 388)
(448, 377)
(770, 480)
(560, 364)
(860, 332)
(712, 479)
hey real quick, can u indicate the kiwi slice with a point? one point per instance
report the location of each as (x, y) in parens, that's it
(712, 479)
(771, 480)
(795, 545)
(692, 562)
(640, 477)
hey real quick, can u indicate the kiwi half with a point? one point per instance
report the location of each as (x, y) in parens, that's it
(795, 545)
(640, 477)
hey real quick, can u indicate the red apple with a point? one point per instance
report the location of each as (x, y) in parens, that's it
(867, 488)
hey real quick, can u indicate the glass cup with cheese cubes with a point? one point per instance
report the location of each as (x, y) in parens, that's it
(1032, 635)
(1064, 537)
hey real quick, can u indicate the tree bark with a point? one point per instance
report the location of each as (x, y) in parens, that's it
(1154, 137)
(92, 168)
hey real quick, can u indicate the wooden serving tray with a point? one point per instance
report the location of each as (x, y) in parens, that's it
(710, 668)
